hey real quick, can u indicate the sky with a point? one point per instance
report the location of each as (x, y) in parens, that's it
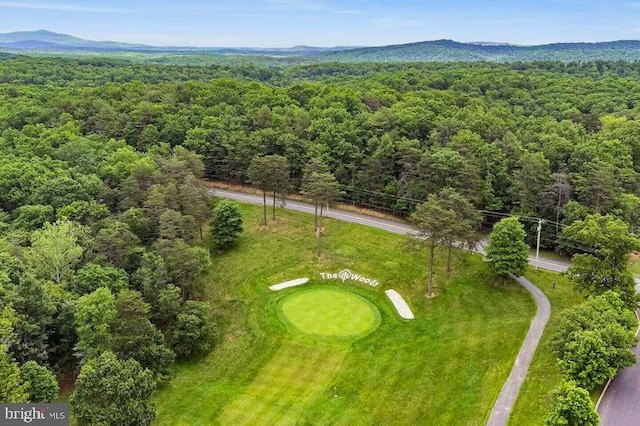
(286, 23)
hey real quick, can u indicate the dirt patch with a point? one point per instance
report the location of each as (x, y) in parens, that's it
(67, 385)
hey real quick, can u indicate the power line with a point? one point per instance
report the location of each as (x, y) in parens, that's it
(411, 201)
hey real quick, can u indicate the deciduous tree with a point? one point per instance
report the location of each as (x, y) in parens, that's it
(168, 307)
(12, 387)
(573, 406)
(192, 332)
(507, 252)
(605, 265)
(134, 336)
(83, 212)
(93, 318)
(32, 217)
(34, 315)
(40, 383)
(91, 277)
(113, 393)
(226, 225)
(594, 340)
(54, 251)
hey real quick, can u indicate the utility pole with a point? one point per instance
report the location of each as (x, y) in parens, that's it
(540, 222)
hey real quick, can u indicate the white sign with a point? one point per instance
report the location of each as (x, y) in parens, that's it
(346, 274)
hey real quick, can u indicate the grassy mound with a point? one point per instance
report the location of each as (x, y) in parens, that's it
(330, 312)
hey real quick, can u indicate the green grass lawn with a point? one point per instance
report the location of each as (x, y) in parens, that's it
(549, 254)
(295, 376)
(329, 312)
(446, 367)
(635, 267)
(544, 375)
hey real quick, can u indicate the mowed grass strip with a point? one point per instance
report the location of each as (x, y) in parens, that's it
(446, 367)
(290, 382)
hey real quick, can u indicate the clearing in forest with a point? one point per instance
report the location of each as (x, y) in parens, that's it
(337, 352)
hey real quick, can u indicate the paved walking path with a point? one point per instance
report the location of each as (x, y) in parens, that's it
(624, 392)
(507, 398)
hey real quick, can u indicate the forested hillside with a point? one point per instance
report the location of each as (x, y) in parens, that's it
(449, 50)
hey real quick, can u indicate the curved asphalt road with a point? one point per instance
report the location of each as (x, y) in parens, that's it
(507, 398)
(620, 403)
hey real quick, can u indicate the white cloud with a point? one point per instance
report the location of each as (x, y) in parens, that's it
(349, 12)
(309, 5)
(58, 6)
(389, 22)
(298, 4)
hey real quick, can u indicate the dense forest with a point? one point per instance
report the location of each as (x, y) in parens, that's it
(551, 140)
(102, 201)
(100, 254)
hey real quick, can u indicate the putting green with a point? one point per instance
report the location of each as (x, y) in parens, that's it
(330, 312)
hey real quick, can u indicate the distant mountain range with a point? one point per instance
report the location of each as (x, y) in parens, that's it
(47, 41)
(448, 50)
(438, 50)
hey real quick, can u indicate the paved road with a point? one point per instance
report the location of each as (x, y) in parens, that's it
(387, 225)
(507, 398)
(620, 404)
